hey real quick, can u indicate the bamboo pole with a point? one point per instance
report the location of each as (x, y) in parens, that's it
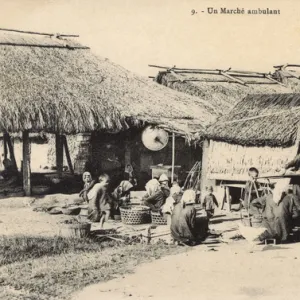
(26, 164)
(65, 145)
(39, 33)
(173, 156)
(59, 154)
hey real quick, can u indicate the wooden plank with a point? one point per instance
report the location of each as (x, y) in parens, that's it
(233, 78)
(11, 151)
(66, 147)
(275, 81)
(59, 149)
(26, 164)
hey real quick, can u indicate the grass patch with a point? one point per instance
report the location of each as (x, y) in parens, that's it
(52, 268)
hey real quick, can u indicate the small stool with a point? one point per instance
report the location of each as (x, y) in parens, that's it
(270, 241)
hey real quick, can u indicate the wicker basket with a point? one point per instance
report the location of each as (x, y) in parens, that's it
(75, 230)
(135, 215)
(158, 219)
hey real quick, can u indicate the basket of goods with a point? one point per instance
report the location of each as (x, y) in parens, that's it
(134, 215)
(74, 228)
(71, 210)
(158, 219)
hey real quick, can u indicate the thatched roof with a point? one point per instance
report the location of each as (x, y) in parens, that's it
(289, 75)
(270, 119)
(223, 89)
(53, 84)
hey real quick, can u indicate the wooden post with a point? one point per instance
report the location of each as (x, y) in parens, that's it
(26, 164)
(205, 149)
(65, 145)
(173, 156)
(59, 149)
(228, 199)
(5, 146)
(11, 151)
(127, 159)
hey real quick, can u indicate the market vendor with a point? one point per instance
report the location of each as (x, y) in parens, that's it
(174, 198)
(251, 188)
(99, 208)
(278, 211)
(183, 221)
(294, 166)
(156, 195)
(121, 195)
(164, 184)
(88, 185)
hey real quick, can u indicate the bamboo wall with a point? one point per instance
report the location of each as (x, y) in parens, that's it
(231, 162)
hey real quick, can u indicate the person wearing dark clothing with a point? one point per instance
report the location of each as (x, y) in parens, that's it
(156, 195)
(88, 185)
(209, 203)
(252, 187)
(278, 210)
(294, 165)
(183, 220)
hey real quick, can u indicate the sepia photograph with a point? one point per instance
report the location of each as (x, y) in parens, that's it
(149, 149)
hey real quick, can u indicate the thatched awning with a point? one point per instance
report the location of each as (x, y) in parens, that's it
(53, 84)
(222, 89)
(260, 120)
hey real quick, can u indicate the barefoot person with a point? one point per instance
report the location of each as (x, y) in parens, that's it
(99, 201)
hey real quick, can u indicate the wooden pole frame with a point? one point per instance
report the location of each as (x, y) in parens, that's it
(67, 152)
(26, 164)
(173, 157)
(59, 150)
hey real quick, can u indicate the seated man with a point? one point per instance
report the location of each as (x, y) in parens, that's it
(278, 210)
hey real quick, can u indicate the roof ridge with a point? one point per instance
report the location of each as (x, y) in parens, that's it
(57, 35)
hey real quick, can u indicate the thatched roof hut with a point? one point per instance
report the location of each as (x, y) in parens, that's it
(222, 89)
(52, 83)
(260, 131)
(260, 120)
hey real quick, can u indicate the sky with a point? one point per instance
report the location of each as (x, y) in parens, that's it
(135, 33)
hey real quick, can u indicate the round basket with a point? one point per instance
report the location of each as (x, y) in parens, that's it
(75, 230)
(135, 215)
(158, 219)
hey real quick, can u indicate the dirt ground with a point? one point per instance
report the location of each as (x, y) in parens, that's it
(227, 270)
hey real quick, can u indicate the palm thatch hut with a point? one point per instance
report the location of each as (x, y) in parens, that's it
(53, 84)
(261, 131)
(221, 88)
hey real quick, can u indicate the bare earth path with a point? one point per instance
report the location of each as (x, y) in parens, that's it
(218, 271)
(229, 273)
